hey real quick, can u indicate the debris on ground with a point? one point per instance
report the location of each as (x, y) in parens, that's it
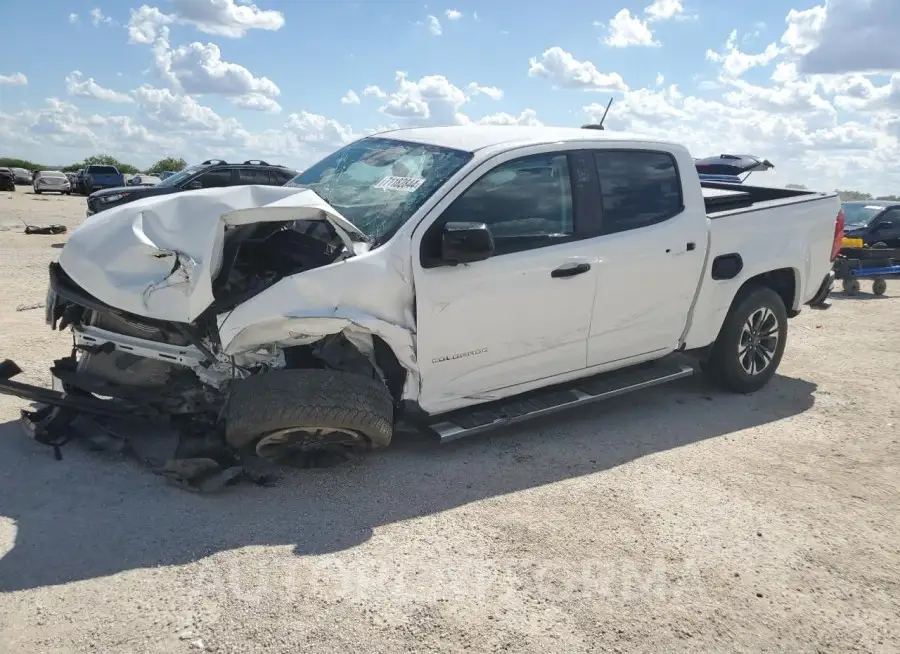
(29, 307)
(46, 230)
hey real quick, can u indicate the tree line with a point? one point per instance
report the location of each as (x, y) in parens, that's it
(169, 163)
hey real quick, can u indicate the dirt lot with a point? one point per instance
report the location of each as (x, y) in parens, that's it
(679, 519)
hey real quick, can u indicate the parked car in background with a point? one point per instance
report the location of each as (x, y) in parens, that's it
(143, 180)
(22, 176)
(875, 222)
(99, 176)
(51, 181)
(167, 173)
(213, 173)
(73, 180)
(7, 180)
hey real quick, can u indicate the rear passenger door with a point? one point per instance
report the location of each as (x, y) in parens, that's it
(651, 257)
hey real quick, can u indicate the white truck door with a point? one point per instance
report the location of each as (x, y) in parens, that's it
(651, 249)
(521, 315)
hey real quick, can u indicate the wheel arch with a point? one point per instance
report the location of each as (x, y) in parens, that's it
(786, 282)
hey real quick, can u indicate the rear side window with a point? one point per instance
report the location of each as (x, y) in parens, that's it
(638, 188)
(253, 176)
(103, 170)
(282, 177)
(213, 179)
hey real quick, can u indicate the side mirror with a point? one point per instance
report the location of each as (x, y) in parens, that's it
(193, 186)
(466, 243)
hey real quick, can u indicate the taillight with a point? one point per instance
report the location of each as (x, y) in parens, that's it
(838, 235)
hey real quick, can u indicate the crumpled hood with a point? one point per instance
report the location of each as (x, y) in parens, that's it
(156, 257)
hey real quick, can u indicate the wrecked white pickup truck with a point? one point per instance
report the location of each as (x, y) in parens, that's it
(457, 278)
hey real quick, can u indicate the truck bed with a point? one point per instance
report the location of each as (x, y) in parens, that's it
(724, 199)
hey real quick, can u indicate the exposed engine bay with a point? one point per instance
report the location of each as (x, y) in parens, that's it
(257, 256)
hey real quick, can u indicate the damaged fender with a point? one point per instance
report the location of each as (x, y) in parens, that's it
(360, 296)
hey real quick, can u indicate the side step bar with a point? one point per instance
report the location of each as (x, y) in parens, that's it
(465, 422)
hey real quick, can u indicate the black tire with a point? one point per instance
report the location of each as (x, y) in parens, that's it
(724, 365)
(879, 286)
(36, 192)
(850, 286)
(880, 245)
(285, 399)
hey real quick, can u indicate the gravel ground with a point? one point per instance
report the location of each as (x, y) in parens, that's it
(678, 519)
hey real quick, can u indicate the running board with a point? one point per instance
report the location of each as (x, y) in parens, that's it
(465, 422)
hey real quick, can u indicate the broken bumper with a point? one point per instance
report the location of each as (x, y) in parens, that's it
(820, 299)
(59, 397)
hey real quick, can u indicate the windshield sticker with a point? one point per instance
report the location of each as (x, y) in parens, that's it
(406, 184)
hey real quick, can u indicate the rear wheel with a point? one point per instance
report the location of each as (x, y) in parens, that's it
(879, 286)
(880, 245)
(283, 413)
(750, 344)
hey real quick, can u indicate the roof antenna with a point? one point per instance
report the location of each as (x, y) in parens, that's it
(600, 124)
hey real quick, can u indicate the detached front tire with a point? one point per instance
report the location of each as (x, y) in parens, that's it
(751, 343)
(283, 412)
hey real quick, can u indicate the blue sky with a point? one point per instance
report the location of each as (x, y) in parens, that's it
(300, 58)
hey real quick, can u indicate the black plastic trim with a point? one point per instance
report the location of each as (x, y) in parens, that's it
(727, 266)
(820, 300)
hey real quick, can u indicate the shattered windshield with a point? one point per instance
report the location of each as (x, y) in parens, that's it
(378, 184)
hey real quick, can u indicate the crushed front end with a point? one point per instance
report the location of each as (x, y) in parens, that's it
(309, 388)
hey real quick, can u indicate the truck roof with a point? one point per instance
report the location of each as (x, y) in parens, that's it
(470, 138)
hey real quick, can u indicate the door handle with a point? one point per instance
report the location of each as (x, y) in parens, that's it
(691, 246)
(571, 269)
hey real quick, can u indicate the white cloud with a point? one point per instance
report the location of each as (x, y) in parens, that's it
(16, 79)
(434, 25)
(317, 128)
(627, 30)
(803, 28)
(147, 24)
(660, 79)
(664, 10)
(87, 88)
(98, 18)
(844, 36)
(226, 18)
(563, 70)
(431, 100)
(527, 117)
(350, 98)
(792, 123)
(217, 17)
(73, 18)
(256, 102)
(453, 14)
(199, 68)
(735, 63)
(374, 91)
(492, 92)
